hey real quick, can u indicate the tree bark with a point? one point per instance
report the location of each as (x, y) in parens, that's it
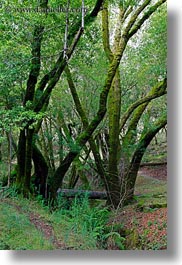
(40, 172)
(128, 182)
(40, 98)
(114, 107)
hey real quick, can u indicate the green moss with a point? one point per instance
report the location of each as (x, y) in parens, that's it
(132, 240)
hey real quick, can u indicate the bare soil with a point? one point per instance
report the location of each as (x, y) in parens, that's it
(157, 172)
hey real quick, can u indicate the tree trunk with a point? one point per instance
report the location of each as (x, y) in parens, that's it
(21, 159)
(40, 172)
(128, 182)
(114, 106)
(24, 159)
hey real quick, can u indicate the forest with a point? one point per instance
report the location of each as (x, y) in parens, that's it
(83, 127)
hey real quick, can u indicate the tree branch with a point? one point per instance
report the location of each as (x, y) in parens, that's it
(134, 17)
(55, 73)
(158, 91)
(60, 64)
(145, 141)
(35, 63)
(140, 22)
(105, 32)
(84, 119)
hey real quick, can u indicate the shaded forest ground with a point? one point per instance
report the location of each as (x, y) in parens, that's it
(145, 221)
(142, 225)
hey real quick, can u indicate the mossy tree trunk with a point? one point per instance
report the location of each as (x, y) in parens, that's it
(38, 94)
(84, 119)
(128, 182)
(114, 108)
(88, 131)
(123, 33)
(40, 172)
(24, 156)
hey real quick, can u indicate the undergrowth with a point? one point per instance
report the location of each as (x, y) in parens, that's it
(76, 223)
(17, 232)
(82, 226)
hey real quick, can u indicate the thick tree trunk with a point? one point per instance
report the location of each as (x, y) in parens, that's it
(24, 159)
(114, 107)
(40, 172)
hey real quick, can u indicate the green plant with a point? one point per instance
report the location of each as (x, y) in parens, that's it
(83, 225)
(117, 238)
(8, 192)
(150, 223)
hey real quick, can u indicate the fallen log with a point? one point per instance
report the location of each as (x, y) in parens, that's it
(71, 193)
(150, 164)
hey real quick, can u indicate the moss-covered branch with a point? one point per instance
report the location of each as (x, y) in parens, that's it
(35, 63)
(105, 32)
(157, 91)
(50, 79)
(134, 17)
(140, 22)
(84, 119)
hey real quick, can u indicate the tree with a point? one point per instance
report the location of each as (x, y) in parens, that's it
(114, 104)
(45, 75)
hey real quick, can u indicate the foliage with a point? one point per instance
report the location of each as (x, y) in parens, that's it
(79, 227)
(83, 226)
(19, 118)
(37, 109)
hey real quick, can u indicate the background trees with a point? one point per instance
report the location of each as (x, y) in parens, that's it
(90, 115)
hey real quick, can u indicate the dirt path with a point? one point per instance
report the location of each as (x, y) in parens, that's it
(46, 229)
(156, 172)
(42, 225)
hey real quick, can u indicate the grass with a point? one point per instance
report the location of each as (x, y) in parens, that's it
(17, 232)
(76, 223)
(151, 191)
(79, 227)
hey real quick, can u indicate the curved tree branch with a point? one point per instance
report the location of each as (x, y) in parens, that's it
(53, 76)
(140, 22)
(157, 91)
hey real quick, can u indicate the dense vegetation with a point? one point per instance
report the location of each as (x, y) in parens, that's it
(82, 95)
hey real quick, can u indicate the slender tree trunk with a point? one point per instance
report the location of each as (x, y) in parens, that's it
(21, 158)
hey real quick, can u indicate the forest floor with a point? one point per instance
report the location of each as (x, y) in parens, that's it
(144, 223)
(146, 219)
